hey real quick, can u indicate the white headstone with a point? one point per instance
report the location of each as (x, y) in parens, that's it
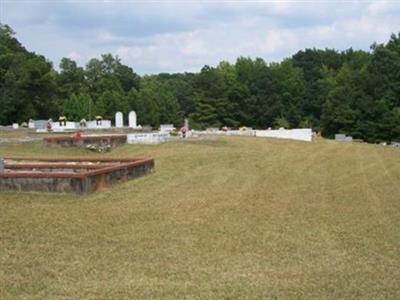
(340, 137)
(31, 124)
(132, 119)
(119, 120)
(167, 127)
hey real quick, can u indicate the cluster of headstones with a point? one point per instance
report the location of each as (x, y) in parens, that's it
(119, 119)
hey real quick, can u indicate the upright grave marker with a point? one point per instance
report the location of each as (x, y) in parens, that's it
(119, 120)
(132, 119)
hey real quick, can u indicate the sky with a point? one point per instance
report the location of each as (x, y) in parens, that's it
(183, 36)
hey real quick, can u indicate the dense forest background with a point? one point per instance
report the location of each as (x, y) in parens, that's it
(352, 92)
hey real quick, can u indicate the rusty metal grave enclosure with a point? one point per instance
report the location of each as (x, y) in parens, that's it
(79, 175)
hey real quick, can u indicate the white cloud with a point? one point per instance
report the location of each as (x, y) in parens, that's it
(383, 7)
(129, 53)
(176, 36)
(74, 55)
(258, 37)
(193, 45)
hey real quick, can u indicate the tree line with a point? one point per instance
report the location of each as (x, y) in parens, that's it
(351, 92)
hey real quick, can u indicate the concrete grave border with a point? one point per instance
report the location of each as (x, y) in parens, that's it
(104, 173)
(69, 141)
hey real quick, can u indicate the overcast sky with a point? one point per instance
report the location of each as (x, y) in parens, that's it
(177, 36)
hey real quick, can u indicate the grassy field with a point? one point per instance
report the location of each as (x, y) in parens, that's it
(227, 218)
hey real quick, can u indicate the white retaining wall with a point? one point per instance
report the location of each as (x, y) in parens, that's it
(148, 138)
(37, 124)
(292, 134)
(303, 134)
(227, 132)
(167, 127)
(105, 124)
(55, 126)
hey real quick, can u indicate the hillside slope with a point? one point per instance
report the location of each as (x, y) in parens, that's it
(219, 218)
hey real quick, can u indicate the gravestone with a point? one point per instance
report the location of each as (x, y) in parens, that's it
(186, 123)
(343, 138)
(132, 119)
(340, 137)
(167, 127)
(37, 124)
(119, 120)
(395, 144)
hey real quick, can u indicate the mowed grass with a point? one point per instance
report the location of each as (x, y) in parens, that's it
(226, 218)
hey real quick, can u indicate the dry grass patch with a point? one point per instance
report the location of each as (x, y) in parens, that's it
(242, 218)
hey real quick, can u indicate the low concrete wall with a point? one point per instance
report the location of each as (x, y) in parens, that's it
(61, 185)
(81, 183)
(104, 180)
(303, 134)
(55, 126)
(148, 138)
(69, 141)
(105, 124)
(292, 134)
(224, 132)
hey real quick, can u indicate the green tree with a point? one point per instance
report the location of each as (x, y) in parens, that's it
(70, 79)
(110, 102)
(339, 115)
(78, 107)
(27, 82)
(281, 122)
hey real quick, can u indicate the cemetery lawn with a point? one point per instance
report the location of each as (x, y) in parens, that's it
(228, 218)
